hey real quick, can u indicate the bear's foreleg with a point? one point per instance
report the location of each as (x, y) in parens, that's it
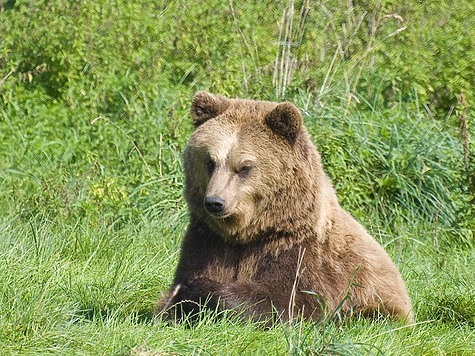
(185, 300)
(248, 301)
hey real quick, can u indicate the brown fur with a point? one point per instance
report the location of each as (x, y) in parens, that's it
(267, 236)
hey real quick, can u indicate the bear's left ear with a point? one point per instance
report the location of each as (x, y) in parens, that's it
(206, 106)
(285, 120)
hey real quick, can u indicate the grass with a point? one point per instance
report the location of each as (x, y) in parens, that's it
(93, 121)
(79, 289)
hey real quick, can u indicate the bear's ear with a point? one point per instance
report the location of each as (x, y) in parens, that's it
(285, 120)
(206, 106)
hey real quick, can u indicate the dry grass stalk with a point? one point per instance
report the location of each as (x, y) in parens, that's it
(290, 37)
(291, 309)
(462, 103)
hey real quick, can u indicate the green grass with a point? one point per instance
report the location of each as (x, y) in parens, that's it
(94, 119)
(77, 289)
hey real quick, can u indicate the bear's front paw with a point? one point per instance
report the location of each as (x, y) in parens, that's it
(188, 298)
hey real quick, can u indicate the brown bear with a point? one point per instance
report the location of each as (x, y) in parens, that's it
(267, 237)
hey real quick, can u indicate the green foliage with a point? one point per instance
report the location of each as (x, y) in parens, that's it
(94, 100)
(386, 161)
(390, 49)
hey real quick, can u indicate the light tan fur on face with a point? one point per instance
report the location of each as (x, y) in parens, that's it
(221, 147)
(222, 181)
(228, 154)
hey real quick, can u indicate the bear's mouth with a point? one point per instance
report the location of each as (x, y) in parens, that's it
(220, 216)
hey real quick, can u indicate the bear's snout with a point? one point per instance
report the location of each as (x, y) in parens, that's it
(214, 205)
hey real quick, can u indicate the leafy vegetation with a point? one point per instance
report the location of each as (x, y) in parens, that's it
(94, 100)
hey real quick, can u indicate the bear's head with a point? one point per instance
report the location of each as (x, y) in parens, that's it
(251, 170)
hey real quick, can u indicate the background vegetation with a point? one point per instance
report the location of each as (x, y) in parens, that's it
(94, 100)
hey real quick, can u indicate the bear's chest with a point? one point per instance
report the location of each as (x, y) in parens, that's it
(232, 265)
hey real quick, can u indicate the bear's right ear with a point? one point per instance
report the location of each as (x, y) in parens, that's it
(285, 120)
(206, 106)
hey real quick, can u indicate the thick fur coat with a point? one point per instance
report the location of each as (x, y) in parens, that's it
(267, 237)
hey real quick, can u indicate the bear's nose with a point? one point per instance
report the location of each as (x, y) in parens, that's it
(214, 205)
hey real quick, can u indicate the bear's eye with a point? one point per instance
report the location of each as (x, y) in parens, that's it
(244, 171)
(210, 165)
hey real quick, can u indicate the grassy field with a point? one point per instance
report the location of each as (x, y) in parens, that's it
(94, 101)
